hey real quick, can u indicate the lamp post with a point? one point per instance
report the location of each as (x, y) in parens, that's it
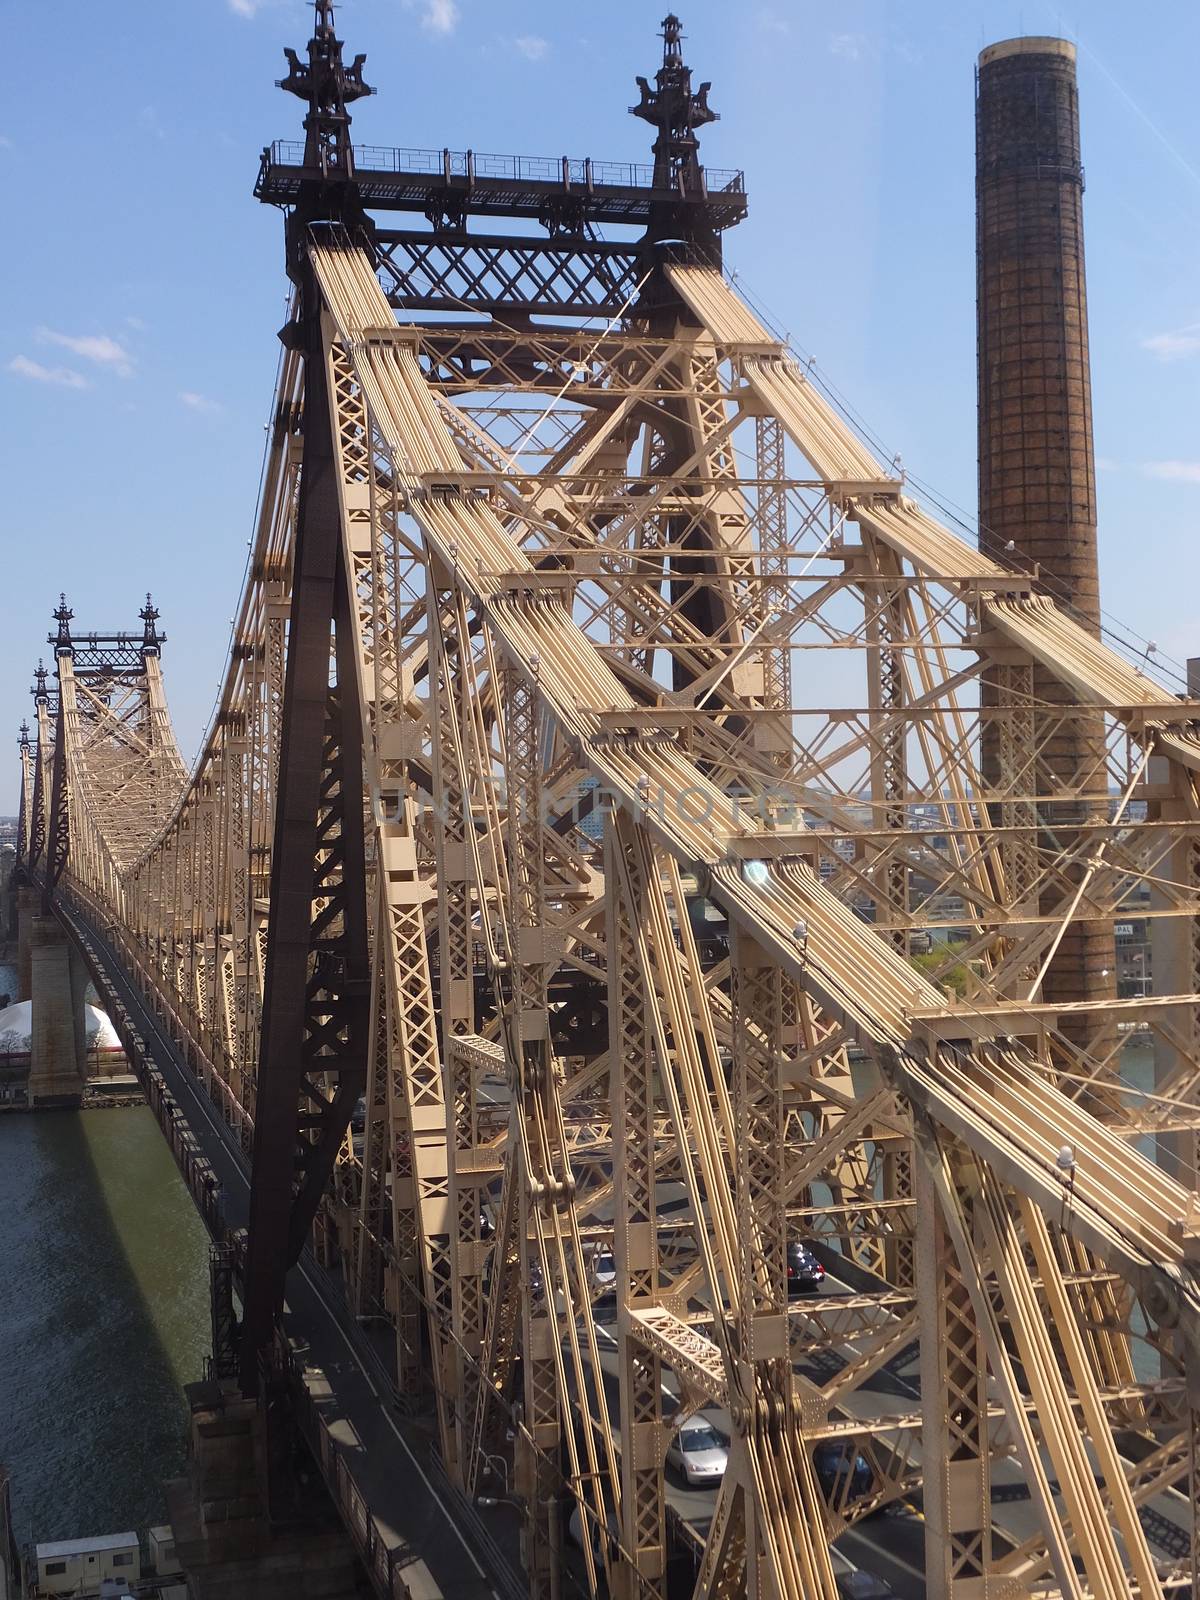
(553, 1509)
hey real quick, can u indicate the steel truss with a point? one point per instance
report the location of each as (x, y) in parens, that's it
(669, 709)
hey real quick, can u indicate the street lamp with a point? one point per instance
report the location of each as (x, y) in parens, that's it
(553, 1509)
(487, 1469)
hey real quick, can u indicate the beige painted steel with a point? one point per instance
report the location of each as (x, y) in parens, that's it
(515, 566)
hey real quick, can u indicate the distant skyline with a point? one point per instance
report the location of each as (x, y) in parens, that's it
(145, 285)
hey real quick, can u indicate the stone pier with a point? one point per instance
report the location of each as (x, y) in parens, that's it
(27, 905)
(58, 983)
(234, 1537)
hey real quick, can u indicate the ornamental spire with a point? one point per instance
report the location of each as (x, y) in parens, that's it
(150, 637)
(62, 644)
(329, 86)
(676, 112)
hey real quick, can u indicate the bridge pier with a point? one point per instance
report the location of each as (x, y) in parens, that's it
(233, 1535)
(27, 907)
(57, 985)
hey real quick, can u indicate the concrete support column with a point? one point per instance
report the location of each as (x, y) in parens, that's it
(57, 1066)
(247, 1524)
(27, 909)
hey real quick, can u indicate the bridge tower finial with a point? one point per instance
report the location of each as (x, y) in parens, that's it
(62, 615)
(329, 86)
(41, 695)
(150, 638)
(676, 111)
(23, 735)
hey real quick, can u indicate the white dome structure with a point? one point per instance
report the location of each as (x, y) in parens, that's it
(16, 1030)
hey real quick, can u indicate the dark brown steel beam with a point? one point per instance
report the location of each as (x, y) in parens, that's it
(282, 1059)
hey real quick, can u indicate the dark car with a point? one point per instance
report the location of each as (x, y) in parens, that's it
(863, 1586)
(804, 1271)
(842, 1473)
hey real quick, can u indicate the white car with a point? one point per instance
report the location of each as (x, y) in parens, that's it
(604, 1271)
(575, 1529)
(698, 1453)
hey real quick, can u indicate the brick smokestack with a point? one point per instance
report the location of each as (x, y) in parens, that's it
(1037, 474)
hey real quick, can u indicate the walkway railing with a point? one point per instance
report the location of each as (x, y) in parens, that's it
(468, 165)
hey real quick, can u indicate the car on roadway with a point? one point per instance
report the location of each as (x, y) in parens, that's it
(804, 1272)
(843, 1473)
(855, 1584)
(575, 1529)
(604, 1271)
(859, 1585)
(698, 1453)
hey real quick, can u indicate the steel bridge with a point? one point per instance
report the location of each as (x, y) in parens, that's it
(598, 769)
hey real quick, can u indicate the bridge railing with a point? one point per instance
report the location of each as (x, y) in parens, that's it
(194, 1167)
(390, 1566)
(466, 165)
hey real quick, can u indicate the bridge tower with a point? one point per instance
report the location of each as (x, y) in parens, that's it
(316, 986)
(103, 746)
(17, 886)
(47, 962)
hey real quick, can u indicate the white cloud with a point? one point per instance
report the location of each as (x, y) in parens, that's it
(1107, 464)
(244, 8)
(97, 347)
(199, 402)
(437, 16)
(847, 45)
(532, 46)
(1174, 471)
(1175, 344)
(60, 377)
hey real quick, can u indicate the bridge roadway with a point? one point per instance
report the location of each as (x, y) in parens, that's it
(416, 1517)
(416, 1514)
(399, 1518)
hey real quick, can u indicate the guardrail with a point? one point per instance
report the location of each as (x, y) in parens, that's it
(468, 165)
(505, 1577)
(194, 1166)
(396, 1575)
(391, 1568)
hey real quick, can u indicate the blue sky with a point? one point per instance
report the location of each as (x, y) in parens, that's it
(144, 285)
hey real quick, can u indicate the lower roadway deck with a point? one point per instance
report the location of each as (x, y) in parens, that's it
(388, 1456)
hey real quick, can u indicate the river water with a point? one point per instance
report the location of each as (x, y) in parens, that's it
(103, 1318)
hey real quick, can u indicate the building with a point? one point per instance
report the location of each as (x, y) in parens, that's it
(1135, 973)
(162, 1550)
(79, 1567)
(106, 1058)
